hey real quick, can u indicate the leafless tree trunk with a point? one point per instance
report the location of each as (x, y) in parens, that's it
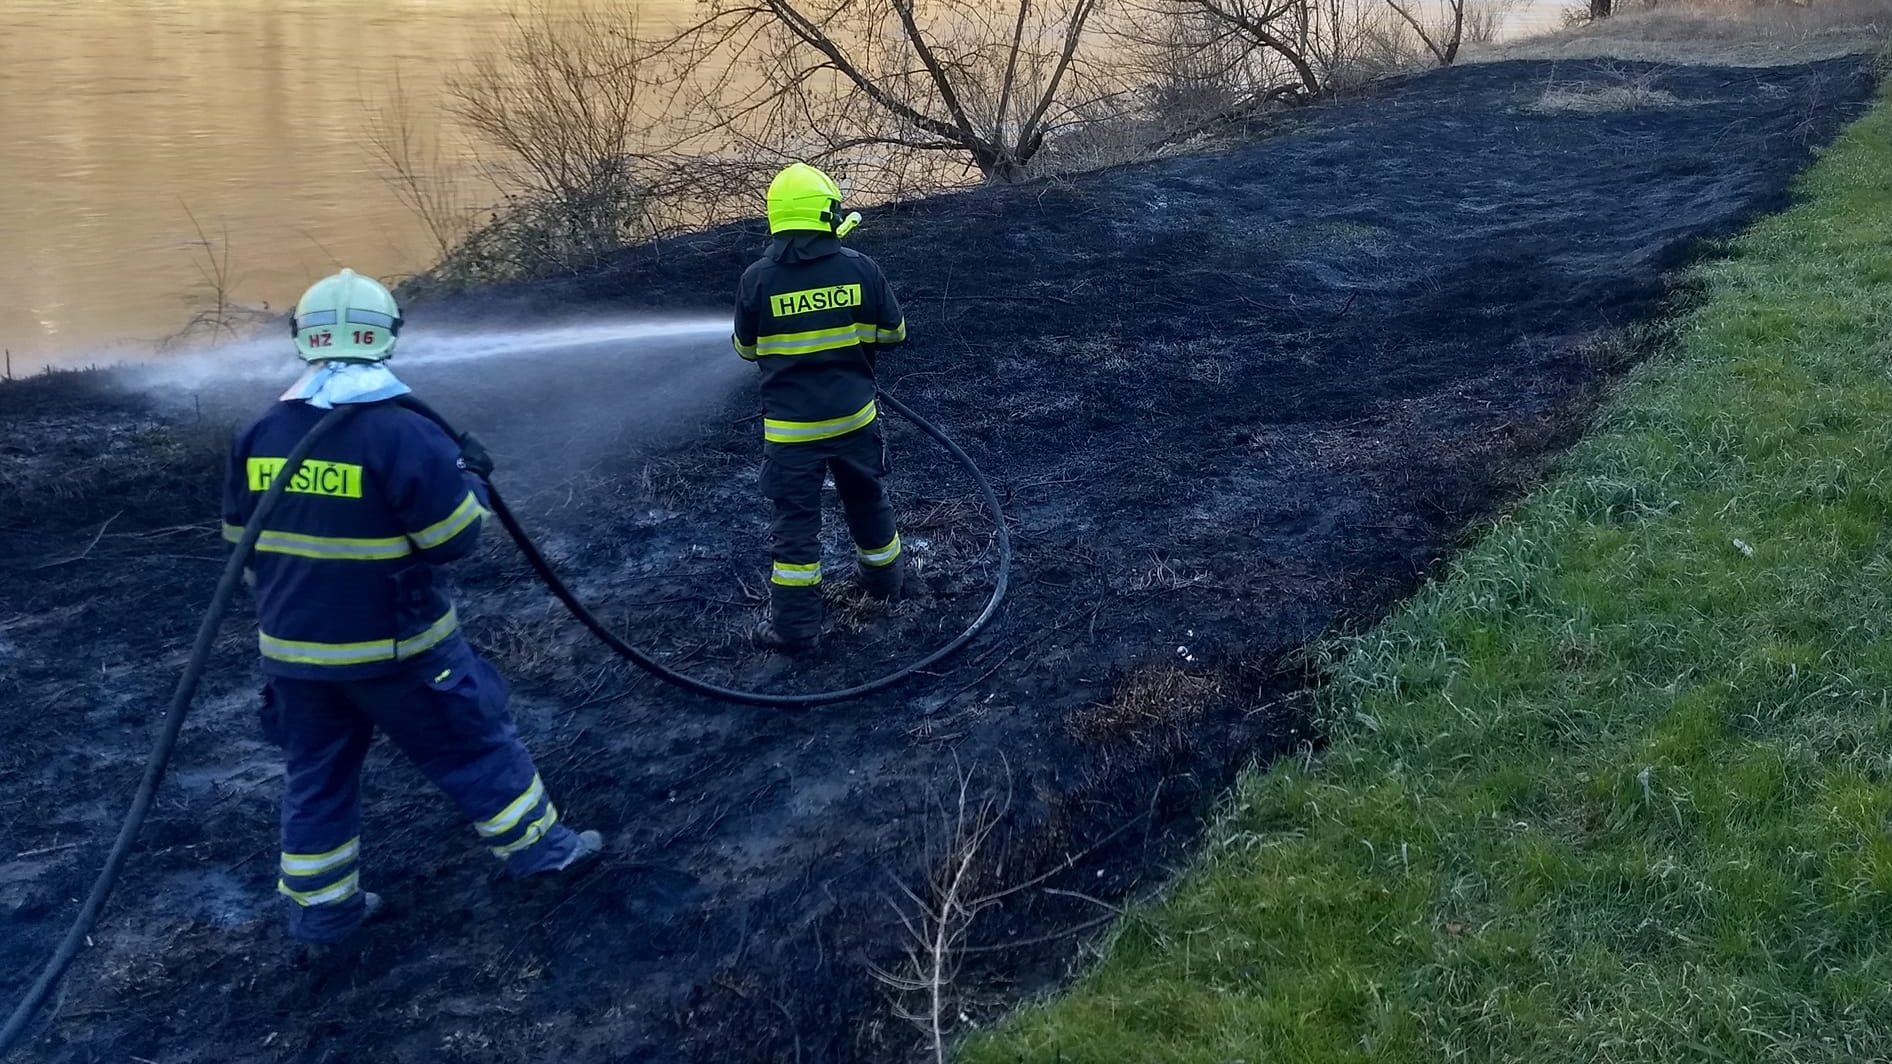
(1600, 8)
(1453, 30)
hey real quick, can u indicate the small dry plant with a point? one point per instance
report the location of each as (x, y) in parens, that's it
(938, 918)
(217, 314)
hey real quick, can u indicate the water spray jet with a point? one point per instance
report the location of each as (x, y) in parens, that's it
(14, 1029)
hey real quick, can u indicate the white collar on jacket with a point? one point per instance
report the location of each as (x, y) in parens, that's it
(333, 384)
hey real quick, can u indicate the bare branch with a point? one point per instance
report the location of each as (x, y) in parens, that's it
(1449, 52)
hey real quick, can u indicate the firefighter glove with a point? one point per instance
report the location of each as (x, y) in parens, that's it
(473, 456)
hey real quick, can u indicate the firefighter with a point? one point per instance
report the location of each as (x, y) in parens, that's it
(812, 315)
(357, 631)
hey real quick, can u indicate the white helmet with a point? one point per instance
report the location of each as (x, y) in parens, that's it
(346, 318)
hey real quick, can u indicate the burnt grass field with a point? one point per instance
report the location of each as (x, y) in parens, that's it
(1231, 402)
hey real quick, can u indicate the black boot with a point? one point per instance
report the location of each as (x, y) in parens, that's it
(766, 637)
(884, 582)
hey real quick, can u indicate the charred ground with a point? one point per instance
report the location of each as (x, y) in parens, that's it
(1231, 401)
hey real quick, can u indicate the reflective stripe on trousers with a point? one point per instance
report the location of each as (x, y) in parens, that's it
(776, 430)
(321, 878)
(796, 574)
(523, 822)
(886, 555)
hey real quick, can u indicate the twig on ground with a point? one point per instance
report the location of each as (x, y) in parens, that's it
(173, 530)
(1039, 940)
(44, 850)
(982, 677)
(55, 563)
(1081, 896)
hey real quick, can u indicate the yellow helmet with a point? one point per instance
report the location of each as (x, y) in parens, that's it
(346, 318)
(802, 197)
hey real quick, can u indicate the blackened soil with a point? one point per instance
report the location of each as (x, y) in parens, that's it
(1231, 401)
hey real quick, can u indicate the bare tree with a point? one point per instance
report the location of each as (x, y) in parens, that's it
(889, 84)
(1250, 55)
(416, 170)
(1484, 21)
(1451, 33)
(1271, 52)
(1280, 30)
(559, 113)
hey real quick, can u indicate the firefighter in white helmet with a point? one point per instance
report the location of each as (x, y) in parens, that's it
(356, 632)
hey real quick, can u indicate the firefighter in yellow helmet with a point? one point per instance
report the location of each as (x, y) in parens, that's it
(812, 315)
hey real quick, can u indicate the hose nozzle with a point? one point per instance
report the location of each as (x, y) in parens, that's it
(847, 224)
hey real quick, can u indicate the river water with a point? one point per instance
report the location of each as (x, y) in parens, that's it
(146, 144)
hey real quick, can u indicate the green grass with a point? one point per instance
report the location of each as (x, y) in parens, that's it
(1615, 789)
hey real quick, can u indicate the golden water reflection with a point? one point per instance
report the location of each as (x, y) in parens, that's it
(120, 119)
(118, 115)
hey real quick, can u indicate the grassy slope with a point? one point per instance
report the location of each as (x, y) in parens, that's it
(1615, 790)
(1711, 32)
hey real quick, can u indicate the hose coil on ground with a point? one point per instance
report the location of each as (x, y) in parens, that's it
(536, 559)
(88, 915)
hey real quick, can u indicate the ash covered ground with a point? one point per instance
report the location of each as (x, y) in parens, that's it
(1231, 402)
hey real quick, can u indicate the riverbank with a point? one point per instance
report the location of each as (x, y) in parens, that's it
(1231, 402)
(1616, 787)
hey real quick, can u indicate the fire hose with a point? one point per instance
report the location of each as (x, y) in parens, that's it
(88, 915)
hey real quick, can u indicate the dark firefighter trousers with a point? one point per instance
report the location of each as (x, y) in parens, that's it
(792, 478)
(448, 715)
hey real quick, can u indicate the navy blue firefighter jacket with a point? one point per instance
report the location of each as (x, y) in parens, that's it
(813, 315)
(345, 581)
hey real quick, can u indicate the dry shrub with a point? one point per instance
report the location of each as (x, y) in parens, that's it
(1153, 708)
(559, 118)
(1599, 99)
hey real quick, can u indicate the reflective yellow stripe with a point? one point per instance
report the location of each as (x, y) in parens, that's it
(794, 574)
(893, 335)
(534, 832)
(329, 547)
(809, 431)
(814, 340)
(883, 556)
(314, 864)
(452, 525)
(326, 896)
(333, 547)
(745, 350)
(305, 653)
(435, 634)
(508, 818)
